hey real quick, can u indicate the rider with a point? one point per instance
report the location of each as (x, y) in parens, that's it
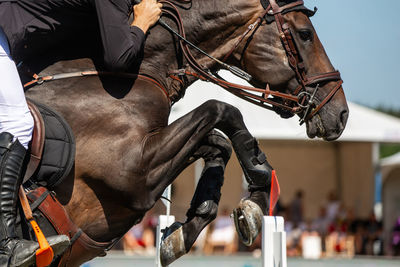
(30, 28)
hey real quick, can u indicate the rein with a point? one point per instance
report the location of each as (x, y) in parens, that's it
(300, 101)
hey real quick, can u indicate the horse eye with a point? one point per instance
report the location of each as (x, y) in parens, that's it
(306, 35)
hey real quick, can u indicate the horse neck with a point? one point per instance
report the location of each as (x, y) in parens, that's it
(212, 25)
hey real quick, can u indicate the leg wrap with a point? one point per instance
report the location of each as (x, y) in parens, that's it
(216, 151)
(179, 238)
(254, 163)
(258, 173)
(208, 193)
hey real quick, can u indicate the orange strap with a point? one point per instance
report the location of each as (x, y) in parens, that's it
(44, 255)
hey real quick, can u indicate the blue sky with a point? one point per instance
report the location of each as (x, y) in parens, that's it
(362, 39)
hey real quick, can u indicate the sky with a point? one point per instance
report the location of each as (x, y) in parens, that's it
(362, 40)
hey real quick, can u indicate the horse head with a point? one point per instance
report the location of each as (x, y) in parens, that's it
(285, 54)
(273, 41)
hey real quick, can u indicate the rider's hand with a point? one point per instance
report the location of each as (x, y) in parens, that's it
(146, 14)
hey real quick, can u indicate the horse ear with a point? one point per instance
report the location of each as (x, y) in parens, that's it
(310, 12)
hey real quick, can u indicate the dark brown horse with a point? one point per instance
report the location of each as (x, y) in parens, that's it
(127, 154)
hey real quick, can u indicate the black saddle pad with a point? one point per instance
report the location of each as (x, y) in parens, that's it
(58, 152)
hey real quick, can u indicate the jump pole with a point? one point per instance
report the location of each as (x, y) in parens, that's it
(163, 222)
(273, 242)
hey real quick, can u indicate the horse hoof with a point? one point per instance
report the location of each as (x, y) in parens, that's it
(248, 221)
(172, 244)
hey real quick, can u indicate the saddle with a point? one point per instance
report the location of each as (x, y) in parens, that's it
(52, 149)
(52, 155)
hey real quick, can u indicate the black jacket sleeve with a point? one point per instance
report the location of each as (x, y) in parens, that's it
(121, 42)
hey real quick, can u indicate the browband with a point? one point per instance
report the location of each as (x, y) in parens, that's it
(269, 18)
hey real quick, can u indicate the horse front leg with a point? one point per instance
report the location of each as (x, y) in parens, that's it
(179, 238)
(168, 152)
(263, 187)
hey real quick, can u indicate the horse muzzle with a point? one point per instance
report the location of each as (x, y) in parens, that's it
(330, 122)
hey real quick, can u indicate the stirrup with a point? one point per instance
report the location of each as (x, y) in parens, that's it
(45, 254)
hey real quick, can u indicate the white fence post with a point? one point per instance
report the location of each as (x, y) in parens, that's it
(273, 242)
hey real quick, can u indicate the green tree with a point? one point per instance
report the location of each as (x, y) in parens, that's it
(387, 150)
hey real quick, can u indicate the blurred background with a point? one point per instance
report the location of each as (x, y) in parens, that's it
(341, 199)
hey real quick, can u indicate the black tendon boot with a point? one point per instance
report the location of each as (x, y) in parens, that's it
(13, 251)
(208, 193)
(258, 173)
(179, 238)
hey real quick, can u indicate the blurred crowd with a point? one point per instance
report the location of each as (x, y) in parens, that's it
(335, 232)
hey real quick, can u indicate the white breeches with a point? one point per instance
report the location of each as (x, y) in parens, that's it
(15, 116)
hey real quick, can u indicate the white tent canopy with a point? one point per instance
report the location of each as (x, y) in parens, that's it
(364, 124)
(393, 160)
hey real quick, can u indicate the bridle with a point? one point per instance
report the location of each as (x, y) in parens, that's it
(297, 65)
(300, 102)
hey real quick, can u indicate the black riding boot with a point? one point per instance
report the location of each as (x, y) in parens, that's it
(13, 251)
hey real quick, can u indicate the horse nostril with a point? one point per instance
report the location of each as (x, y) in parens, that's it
(343, 118)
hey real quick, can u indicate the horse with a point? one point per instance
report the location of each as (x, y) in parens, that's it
(127, 153)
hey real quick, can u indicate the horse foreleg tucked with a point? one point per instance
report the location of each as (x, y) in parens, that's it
(180, 237)
(181, 140)
(259, 174)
